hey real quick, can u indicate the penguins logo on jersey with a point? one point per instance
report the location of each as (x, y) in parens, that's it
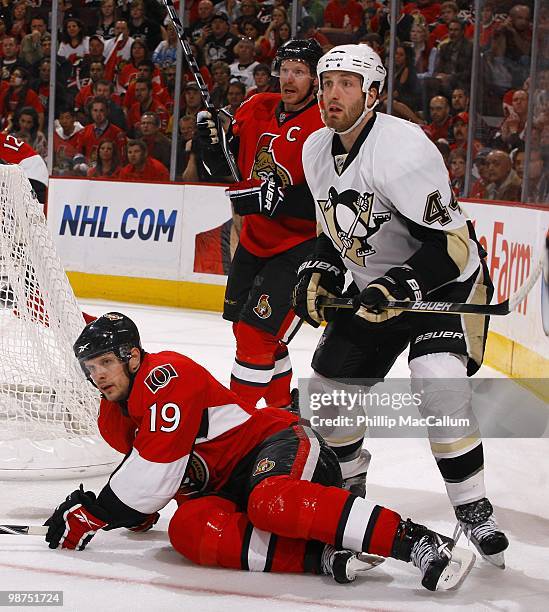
(196, 477)
(265, 164)
(349, 218)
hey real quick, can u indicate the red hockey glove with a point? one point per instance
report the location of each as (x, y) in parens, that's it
(256, 196)
(75, 521)
(147, 524)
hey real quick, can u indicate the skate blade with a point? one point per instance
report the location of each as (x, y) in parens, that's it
(498, 560)
(368, 561)
(456, 571)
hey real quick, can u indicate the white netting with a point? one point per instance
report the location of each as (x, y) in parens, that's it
(48, 410)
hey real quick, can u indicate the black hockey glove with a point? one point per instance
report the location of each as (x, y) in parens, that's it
(207, 132)
(323, 274)
(398, 283)
(75, 521)
(256, 196)
(147, 524)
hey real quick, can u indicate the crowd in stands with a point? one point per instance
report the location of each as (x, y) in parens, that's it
(116, 76)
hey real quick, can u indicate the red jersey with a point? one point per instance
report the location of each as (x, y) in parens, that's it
(437, 131)
(16, 151)
(89, 140)
(135, 112)
(152, 171)
(185, 432)
(159, 93)
(271, 142)
(335, 14)
(430, 12)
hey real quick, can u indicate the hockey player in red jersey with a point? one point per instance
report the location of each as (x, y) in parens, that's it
(16, 151)
(268, 133)
(256, 489)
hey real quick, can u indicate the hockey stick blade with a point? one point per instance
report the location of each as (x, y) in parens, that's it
(40, 530)
(204, 93)
(457, 308)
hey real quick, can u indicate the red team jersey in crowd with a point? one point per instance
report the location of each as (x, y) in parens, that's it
(153, 170)
(89, 141)
(181, 423)
(271, 142)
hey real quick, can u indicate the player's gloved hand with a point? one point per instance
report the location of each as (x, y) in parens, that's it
(147, 524)
(207, 131)
(399, 283)
(323, 274)
(74, 522)
(256, 196)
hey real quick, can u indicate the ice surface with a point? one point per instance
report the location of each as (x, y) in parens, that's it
(124, 571)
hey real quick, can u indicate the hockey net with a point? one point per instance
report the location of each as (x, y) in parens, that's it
(48, 411)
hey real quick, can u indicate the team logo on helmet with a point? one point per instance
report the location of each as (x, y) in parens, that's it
(263, 309)
(159, 377)
(197, 476)
(349, 216)
(264, 466)
(113, 316)
(266, 165)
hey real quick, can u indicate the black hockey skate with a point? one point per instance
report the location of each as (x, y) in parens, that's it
(294, 403)
(476, 520)
(346, 565)
(443, 565)
(357, 484)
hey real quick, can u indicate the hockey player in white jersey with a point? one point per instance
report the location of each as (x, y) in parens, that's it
(386, 213)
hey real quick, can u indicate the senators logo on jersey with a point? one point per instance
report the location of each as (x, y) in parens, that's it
(349, 218)
(159, 377)
(263, 309)
(263, 466)
(266, 165)
(196, 477)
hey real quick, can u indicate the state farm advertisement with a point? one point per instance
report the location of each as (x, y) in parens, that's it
(513, 237)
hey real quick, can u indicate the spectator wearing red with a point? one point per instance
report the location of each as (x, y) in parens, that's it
(97, 72)
(65, 141)
(158, 144)
(478, 190)
(309, 30)
(488, 25)
(512, 130)
(263, 50)
(129, 72)
(141, 167)
(460, 125)
(100, 129)
(439, 109)
(429, 9)
(16, 96)
(117, 49)
(116, 115)
(107, 164)
(74, 44)
(147, 70)
(204, 71)
(344, 15)
(26, 128)
(145, 101)
(448, 11)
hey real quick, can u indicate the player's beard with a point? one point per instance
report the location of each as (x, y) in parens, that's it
(347, 118)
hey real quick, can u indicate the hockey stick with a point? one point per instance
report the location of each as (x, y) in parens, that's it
(457, 308)
(41, 530)
(205, 94)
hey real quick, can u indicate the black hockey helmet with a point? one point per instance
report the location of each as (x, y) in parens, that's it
(112, 332)
(306, 50)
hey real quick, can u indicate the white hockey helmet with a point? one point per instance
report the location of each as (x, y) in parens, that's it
(358, 59)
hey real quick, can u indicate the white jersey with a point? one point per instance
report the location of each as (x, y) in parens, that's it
(389, 202)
